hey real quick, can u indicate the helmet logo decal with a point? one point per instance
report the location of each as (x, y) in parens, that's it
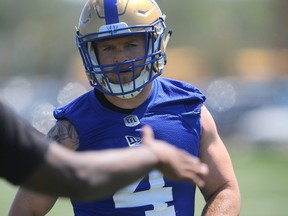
(111, 12)
(146, 12)
(131, 121)
(114, 27)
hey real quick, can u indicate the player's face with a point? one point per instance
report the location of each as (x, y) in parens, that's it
(119, 50)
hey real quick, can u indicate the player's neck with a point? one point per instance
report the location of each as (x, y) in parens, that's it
(133, 102)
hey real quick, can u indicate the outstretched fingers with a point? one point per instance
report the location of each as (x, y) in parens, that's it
(175, 164)
(182, 166)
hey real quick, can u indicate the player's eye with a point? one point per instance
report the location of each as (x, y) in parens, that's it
(134, 44)
(107, 48)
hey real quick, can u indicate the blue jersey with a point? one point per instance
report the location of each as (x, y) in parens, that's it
(173, 111)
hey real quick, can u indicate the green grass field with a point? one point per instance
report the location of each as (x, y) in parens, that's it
(263, 179)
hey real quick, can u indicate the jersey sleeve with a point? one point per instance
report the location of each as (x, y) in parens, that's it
(22, 147)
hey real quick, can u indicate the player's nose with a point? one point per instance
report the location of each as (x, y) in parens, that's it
(121, 55)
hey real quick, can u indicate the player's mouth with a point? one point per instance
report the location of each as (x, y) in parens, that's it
(125, 72)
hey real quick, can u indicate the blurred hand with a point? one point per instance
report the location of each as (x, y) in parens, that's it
(174, 163)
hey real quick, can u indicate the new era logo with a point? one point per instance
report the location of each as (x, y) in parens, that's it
(133, 141)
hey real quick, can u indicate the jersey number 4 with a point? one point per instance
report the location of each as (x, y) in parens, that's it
(157, 196)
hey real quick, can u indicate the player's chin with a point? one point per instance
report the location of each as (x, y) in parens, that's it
(126, 79)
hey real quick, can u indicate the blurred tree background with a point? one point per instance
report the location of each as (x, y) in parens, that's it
(37, 37)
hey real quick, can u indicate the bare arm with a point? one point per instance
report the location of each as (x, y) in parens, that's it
(221, 190)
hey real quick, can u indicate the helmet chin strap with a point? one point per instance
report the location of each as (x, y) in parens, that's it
(139, 81)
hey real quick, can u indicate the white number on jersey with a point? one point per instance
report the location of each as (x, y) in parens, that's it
(157, 196)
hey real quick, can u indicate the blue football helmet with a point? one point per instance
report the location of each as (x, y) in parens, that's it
(106, 19)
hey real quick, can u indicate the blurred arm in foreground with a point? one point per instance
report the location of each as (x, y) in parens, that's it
(29, 160)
